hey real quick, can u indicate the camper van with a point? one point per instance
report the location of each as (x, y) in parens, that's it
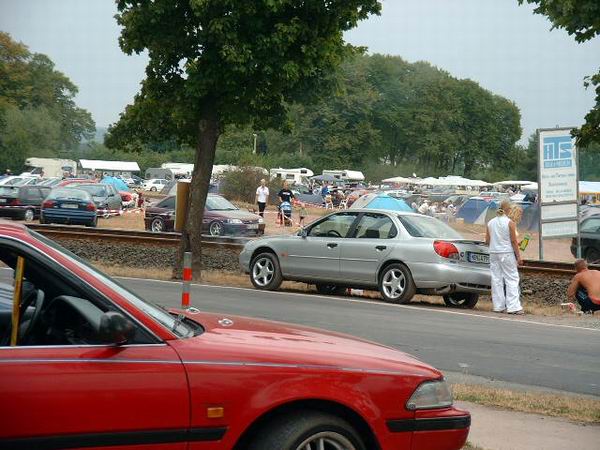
(179, 169)
(346, 175)
(294, 176)
(49, 167)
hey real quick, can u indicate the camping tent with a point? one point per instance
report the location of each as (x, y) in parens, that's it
(381, 201)
(475, 210)
(119, 184)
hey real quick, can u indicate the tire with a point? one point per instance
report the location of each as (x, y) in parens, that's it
(593, 256)
(157, 225)
(153, 189)
(330, 289)
(396, 284)
(463, 300)
(307, 430)
(265, 272)
(93, 223)
(29, 215)
(215, 228)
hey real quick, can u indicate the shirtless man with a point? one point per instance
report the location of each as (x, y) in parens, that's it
(585, 287)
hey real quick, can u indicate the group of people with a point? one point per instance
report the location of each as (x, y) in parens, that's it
(435, 208)
(505, 257)
(285, 197)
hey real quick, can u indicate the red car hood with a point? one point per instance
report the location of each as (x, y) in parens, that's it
(242, 339)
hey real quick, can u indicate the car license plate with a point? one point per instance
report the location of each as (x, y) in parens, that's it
(69, 205)
(480, 258)
(253, 226)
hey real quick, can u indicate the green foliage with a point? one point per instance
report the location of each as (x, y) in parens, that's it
(38, 116)
(580, 18)
(241, 184)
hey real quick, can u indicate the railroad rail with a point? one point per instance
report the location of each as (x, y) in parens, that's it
(117, 235)
(172, 239)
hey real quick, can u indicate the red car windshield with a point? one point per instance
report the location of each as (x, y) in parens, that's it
(158, 313)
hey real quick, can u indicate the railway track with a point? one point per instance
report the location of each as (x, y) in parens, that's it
(128, 236)
(172, 239)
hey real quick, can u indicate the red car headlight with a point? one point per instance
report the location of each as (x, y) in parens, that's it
(431, 395)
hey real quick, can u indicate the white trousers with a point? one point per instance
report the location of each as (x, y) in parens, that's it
(505, 273)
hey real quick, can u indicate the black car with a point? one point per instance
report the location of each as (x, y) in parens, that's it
(22, 202)
(590, 240)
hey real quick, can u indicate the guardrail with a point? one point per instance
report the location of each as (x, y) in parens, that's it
(129, 236)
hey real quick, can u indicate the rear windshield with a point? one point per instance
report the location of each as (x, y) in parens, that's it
(69, 194)
(95, 190)
(8, 191)
(428, 227)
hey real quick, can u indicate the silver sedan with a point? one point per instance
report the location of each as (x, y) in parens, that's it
(400, 254)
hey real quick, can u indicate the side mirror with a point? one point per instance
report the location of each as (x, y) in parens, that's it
(302, 233)
(115, 328)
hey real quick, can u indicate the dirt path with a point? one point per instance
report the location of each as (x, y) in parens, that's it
(494, 429)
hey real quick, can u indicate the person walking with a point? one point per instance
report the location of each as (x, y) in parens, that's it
(501, 236)
(262, 197)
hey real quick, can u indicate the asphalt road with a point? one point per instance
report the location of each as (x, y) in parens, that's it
(534, 354)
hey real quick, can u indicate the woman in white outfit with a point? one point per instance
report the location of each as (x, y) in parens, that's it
(501, 236)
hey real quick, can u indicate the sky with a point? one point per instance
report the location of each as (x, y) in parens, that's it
(501, 45)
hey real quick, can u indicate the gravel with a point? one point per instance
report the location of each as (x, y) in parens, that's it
(546, 289)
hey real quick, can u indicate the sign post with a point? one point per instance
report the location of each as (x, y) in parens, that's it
(558, 182)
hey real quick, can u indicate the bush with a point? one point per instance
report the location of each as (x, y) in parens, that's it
(240, 185)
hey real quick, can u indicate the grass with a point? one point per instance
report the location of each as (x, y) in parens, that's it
(575, 408)
(469, 446)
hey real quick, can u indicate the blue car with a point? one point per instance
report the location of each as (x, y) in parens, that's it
(69, 206)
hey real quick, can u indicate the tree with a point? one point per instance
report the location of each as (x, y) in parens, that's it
(38, 114)
(582, 19)
(214, 63)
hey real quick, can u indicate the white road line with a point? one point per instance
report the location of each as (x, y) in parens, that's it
(371, 302)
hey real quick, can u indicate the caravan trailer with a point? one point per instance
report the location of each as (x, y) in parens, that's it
(346, 175)
(179, 169)
(294, 176)
(49, 167)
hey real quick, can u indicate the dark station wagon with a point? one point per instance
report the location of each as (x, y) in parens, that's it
(22, 202)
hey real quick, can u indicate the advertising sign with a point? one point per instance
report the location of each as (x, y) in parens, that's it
(558, 167)
(558, 180)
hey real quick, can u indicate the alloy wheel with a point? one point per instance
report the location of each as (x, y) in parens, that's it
(326, 440)
(157, 226)
(394, 283)
(263, 271)
(28, 216)
(216, 229)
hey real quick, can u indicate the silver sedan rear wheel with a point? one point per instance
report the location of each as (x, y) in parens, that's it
(396, 284)
(265, 272)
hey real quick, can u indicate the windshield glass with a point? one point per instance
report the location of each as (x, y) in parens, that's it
(95, 190)
(69, 194)
(158, 313)
(8, 191)
(428, 227)
(216, 203)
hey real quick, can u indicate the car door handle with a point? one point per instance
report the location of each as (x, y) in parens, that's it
(380, 248)
(331, 245)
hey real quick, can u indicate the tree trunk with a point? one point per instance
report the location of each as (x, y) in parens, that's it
(191, 238)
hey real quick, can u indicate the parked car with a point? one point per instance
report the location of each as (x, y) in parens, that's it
(69, 206)
(398, 253)
(590, 240)
(154, 184)
(221, 217)
(22, 202)
(95, 365)
(14, 180)
(50, 182)
(106, 198)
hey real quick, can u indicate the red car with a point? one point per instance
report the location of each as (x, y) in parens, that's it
(91, 365)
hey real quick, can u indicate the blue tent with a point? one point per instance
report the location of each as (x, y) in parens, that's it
(119, 184)
(476, 209)
(381, 201)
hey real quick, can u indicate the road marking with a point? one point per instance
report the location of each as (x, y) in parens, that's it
(366, 301)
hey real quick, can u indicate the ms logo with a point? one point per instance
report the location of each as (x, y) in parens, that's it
(558, 152)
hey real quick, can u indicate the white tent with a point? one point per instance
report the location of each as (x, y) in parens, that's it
(401, 180)
(109, 166)
(512, 183)
(429, 181)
